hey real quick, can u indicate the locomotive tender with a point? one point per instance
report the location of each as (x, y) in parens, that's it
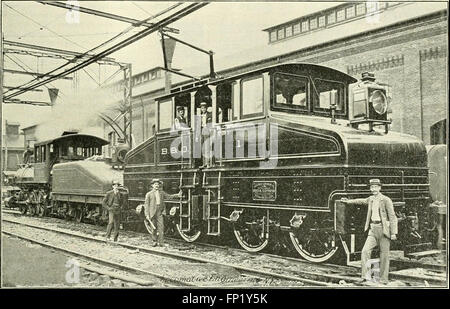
(68, 178)
(286, 143)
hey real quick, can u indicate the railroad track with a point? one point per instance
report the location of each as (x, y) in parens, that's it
(244, 271)
(328, 275)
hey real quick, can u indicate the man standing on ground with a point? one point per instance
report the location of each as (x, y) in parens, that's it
(155, 209)
(383, 228)
(114, 201)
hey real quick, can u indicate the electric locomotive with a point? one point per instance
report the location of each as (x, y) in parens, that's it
(285, 144)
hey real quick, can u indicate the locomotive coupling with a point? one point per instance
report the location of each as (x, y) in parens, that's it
(296, 220)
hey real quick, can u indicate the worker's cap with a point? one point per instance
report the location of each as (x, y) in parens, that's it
(115, 182)
(180, 108)
(203, 104)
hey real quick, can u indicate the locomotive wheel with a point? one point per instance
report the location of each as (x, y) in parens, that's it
(42, 210)
(251, 233)
(189, 236)
(314, 242)
(23, 209)
(32, 210)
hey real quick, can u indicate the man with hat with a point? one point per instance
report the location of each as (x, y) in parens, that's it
(114, 201)
(180, 121)
(382, 221)
(155, 209)
(206, 117)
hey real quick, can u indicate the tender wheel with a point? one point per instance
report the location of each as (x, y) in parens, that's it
(314, 240)
(251, 231)
(189, 236)
(79, 215)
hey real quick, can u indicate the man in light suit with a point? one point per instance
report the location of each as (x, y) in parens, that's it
(155, 209)
(382, 221)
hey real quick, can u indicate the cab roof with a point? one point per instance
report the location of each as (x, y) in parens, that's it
(96, 139)
(285, 67)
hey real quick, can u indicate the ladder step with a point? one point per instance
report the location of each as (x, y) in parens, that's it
(211, 186)
(213, 202)
(188, 186)
(215, 218)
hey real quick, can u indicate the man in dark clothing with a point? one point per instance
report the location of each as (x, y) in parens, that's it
(114, 201)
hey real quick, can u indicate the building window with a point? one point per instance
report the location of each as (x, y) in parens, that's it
(350, 12)
(371, 6)
(273, 36)
(289, 31)
(382, 5)
(305, 26)
(340, 15)
(331, 18)
(361, 9)
(296, 29)
(313, 23)
(281, 34)
(154, 75)
(146, 76)
(322, 21)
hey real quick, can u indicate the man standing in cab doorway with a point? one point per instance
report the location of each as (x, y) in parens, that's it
(382, 221)
(113, 201)
(206, 117)
(155, 209)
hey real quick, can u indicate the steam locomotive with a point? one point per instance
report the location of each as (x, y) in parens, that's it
(66, 176)
(285, 144)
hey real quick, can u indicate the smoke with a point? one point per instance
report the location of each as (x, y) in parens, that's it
(79, 113)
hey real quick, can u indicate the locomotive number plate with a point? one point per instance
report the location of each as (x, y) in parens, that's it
(264, 190)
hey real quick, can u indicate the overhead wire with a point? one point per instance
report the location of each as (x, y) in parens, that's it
(26, 68)
(104, 43)
(158, 25)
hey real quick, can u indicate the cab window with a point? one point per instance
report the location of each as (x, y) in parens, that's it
(251, 97)
(165, 114)
(328, 91)
(290, 92)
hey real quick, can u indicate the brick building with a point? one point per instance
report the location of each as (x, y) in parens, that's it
(12, 147)
(404, 44)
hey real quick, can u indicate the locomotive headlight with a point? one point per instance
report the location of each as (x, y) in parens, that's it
(379, 102)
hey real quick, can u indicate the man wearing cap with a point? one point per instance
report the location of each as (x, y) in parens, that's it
(155, 209)
(180, 121)
(206, 117)
(113, 201)
(382, 221)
